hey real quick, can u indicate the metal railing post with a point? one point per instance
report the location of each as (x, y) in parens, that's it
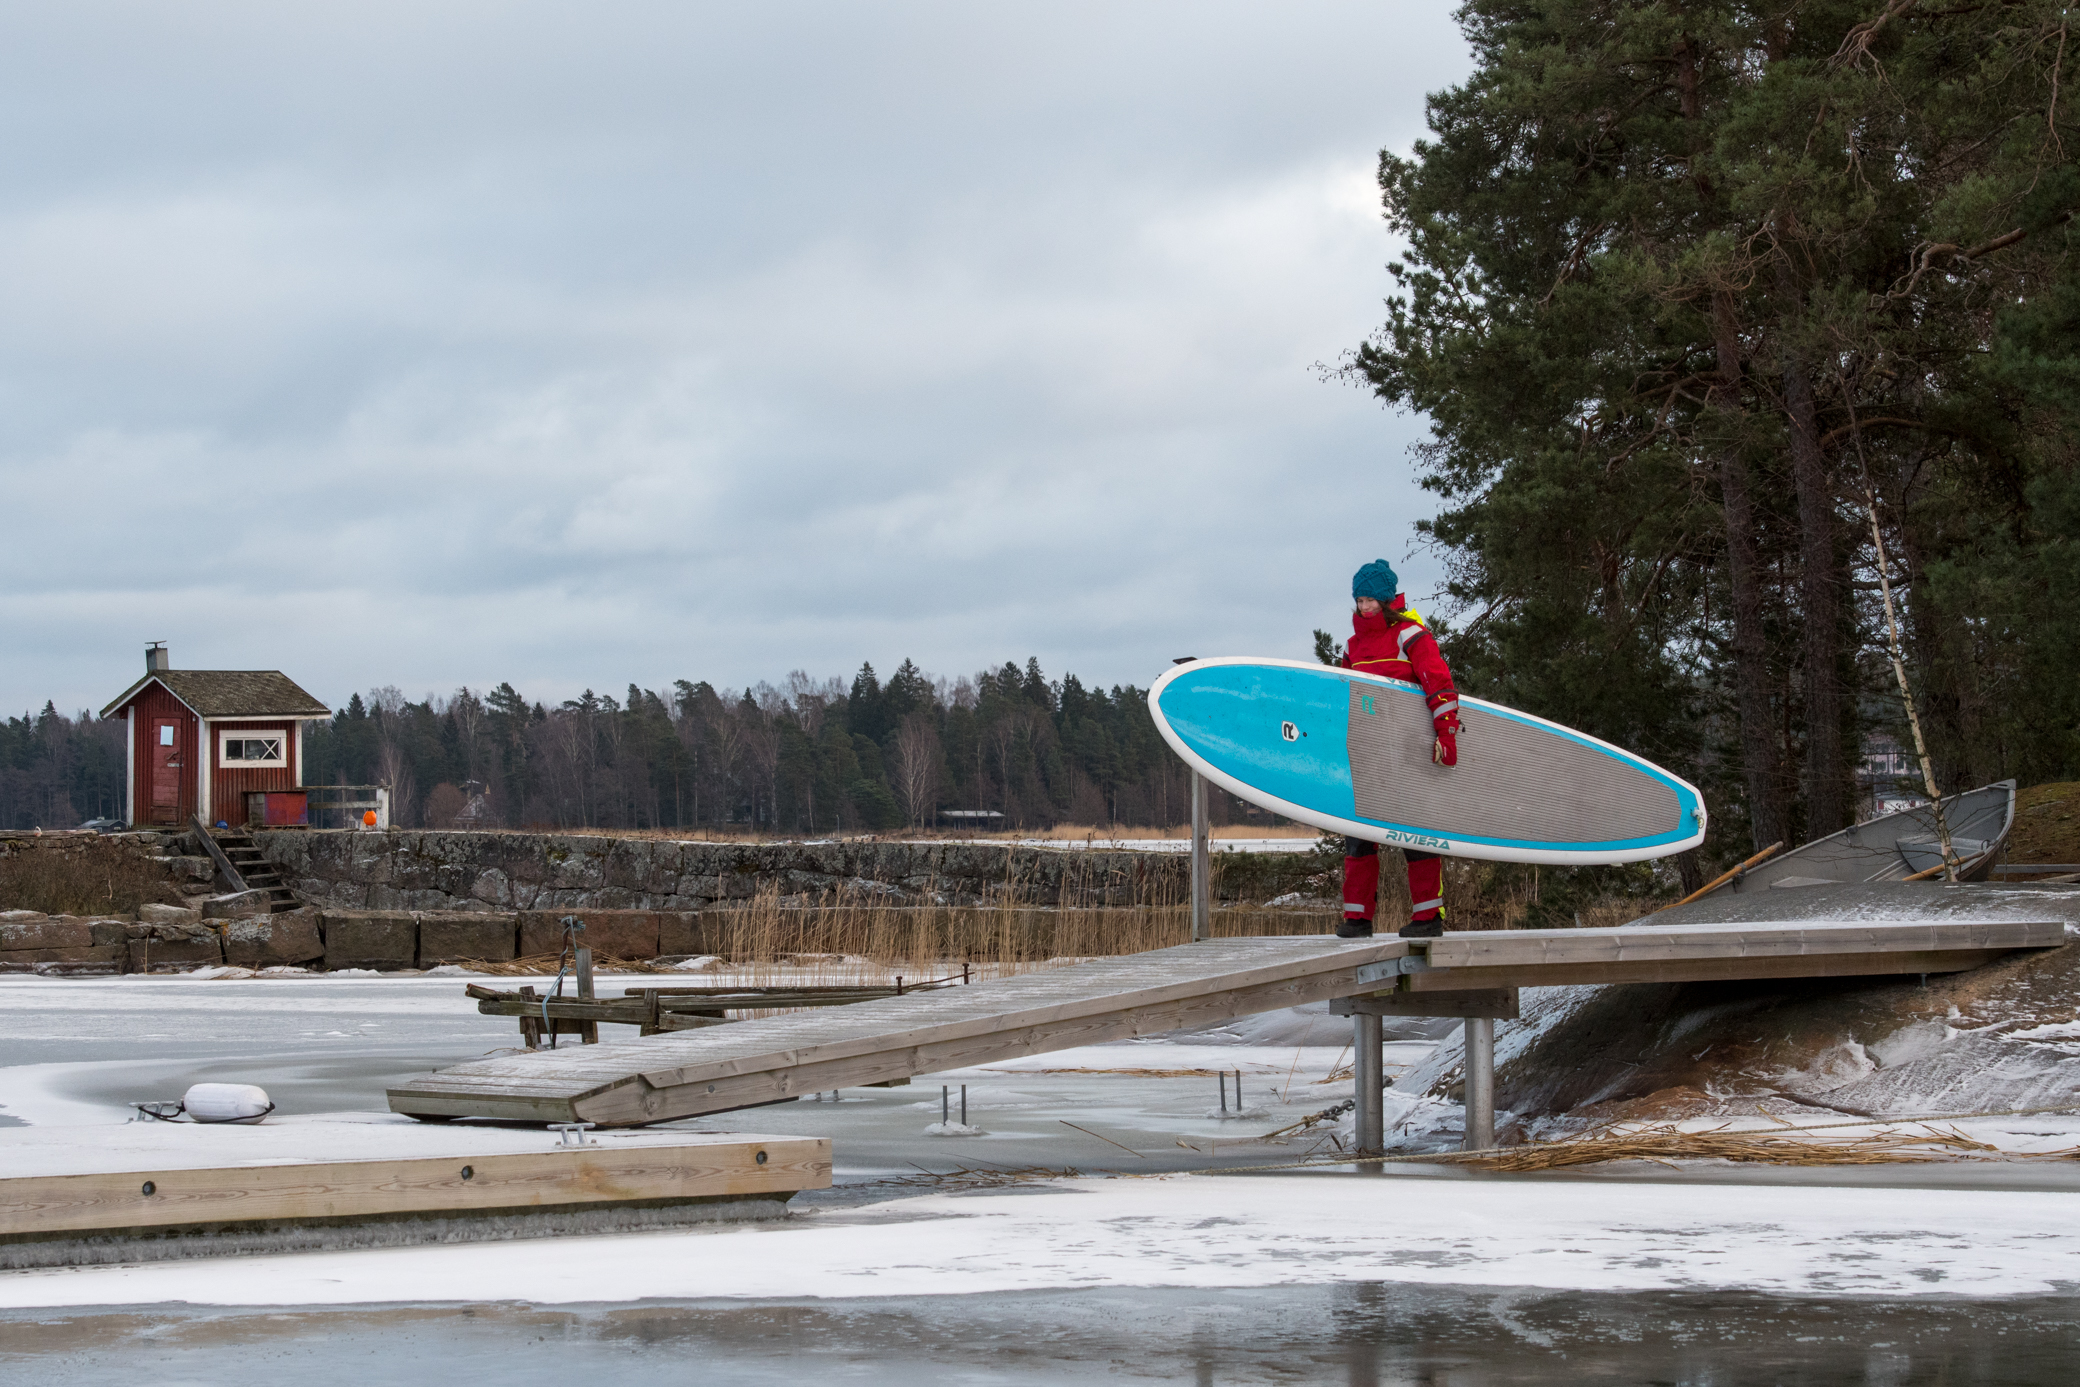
(1367, 1077)
(1202, 864)
(1480, 1083)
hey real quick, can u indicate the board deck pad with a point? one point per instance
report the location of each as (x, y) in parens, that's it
(1350, 752)
(1512, 780)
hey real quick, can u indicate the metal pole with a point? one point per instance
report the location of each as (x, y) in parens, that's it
(1366, 1075)
(1202, 864)
(1480, 1083)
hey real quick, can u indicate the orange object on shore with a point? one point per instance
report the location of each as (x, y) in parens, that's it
(368, 818)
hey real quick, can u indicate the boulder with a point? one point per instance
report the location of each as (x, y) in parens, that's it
(608, 933)
(88, 959)
(43, 932)
(184, 868)
(454, 935)
(679, 932)
(238, 905)
(371, 939)
(265, 941)
(110, 934)
(152, 913)
(161, 948)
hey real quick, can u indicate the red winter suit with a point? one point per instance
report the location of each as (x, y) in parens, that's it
(1395, 643)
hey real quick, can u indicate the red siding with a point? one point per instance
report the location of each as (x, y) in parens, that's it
(228, 787)
(146, 710)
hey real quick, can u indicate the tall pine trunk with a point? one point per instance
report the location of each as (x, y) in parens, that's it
(1819, 589)
(1759, 763)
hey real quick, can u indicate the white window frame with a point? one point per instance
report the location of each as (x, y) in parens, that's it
(227, 735)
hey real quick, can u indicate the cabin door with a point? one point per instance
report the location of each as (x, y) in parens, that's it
(166, 770)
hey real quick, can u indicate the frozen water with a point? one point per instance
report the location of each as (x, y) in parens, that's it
(1362, 1333)
(1207, 1232)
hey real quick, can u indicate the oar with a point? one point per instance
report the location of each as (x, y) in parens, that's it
(1718, 881)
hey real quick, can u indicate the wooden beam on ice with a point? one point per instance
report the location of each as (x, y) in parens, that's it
(42, 1206)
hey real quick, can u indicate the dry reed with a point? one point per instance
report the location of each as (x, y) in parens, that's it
(1665, 1144)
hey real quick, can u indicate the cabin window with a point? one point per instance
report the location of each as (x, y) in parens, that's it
(253, 750)
(166, 735)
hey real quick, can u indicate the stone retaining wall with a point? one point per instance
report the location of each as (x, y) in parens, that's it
(391, 940)
(430, 870)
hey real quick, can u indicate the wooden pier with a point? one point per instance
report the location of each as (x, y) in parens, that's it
(687, 1073)
(153, 1178)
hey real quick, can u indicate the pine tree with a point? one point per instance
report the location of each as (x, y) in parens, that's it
(1679, 279)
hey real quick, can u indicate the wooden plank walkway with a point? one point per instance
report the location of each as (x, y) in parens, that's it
(683, 1074)
(1716, 952)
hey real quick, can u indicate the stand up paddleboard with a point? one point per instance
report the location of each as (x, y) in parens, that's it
(1350, 753)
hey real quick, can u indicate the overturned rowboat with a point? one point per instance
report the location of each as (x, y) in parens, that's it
(1896, 846)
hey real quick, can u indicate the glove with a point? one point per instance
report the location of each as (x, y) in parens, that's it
(1445, 752)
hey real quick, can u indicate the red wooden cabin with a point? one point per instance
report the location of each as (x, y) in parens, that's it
(202, 740)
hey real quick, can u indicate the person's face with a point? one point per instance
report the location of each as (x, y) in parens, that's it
(1368, 606)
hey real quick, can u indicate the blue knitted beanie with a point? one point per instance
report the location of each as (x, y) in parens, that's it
(1375, 580)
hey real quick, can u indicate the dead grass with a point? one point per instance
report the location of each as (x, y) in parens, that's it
(1666, 1144)
(769, 941)
(80, 875)
(2047, 824)
(1096, 834)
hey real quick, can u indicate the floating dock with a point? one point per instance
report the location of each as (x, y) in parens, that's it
(150, 1180)
(684, 1074)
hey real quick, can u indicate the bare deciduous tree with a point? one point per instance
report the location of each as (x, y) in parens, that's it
(917, 766)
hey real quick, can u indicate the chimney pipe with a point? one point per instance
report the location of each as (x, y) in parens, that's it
(157, 659)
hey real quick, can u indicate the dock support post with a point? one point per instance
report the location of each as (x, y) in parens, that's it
(1367, 1077)
(1202, 864)
(1480, 1083)
(589, 1030)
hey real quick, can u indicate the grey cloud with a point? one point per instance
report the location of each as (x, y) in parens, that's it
(445, 344)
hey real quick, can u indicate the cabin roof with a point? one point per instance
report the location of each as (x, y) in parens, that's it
(230, 693)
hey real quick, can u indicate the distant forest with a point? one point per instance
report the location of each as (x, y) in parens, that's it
(810, 757)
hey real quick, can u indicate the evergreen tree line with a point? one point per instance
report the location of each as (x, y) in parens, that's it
(811, 757)
(56, 772)
(1703, 300)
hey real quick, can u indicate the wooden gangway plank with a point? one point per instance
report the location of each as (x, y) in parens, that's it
(687, 1073)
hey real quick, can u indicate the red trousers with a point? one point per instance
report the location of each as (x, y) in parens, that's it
(1361, 881)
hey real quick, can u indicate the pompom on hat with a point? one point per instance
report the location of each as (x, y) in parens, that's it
(1375, 580)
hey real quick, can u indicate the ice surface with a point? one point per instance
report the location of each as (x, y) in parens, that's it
(1199, 1231)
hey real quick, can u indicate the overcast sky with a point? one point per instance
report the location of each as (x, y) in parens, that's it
(432, 344)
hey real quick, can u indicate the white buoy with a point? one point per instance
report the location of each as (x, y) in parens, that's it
(246, 1103)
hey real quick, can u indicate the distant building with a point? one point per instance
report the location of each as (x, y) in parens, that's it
(972, 818)
(476, 808)
(1888, 777)
(201, 740)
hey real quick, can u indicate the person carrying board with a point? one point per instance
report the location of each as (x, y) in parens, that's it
(1388, 638)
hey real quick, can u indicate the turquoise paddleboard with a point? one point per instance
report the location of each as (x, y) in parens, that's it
(1350, 753)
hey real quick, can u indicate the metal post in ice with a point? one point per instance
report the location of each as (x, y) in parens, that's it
(1366, 1075)
(1202, 864)
(1480, 1083)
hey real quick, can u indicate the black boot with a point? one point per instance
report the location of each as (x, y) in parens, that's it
(1347, 928)
(1423, 929)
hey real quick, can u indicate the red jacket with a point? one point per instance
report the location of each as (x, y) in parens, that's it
(1395, 643)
